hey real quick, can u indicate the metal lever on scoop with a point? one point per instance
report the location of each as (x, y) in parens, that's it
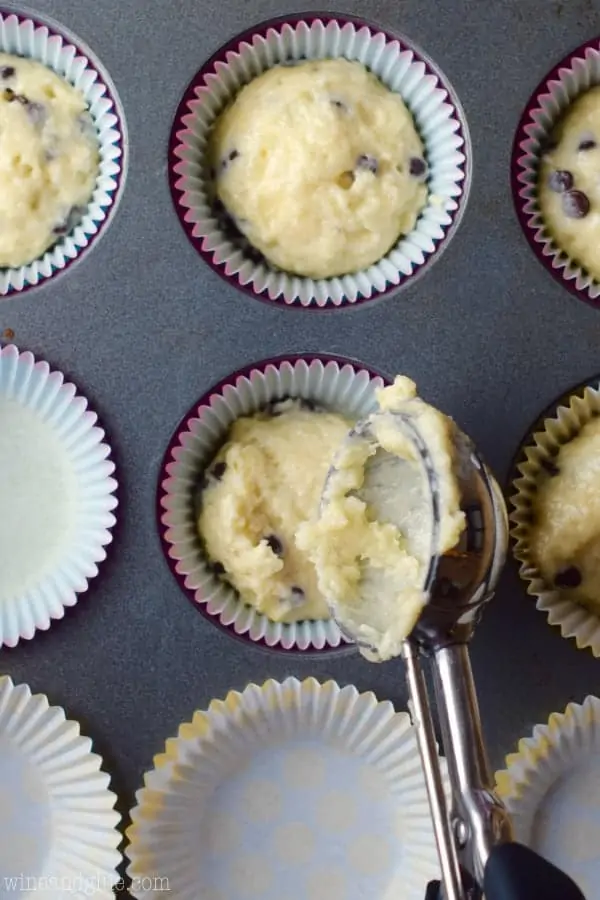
(479, 821)
(475, 822)
(423, 723)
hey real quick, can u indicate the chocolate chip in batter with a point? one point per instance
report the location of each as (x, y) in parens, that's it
(35, 111)
(560, 181)
(16, 98)
(231, 156)
(296, 595)
(587, 144)
(417, 167)
(570, 577)
(367, 163)
(339, 104)
(7, 72)
(218, 470)
(274, 544)
(575, 204)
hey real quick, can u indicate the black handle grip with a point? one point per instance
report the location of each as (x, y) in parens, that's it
(514, 872)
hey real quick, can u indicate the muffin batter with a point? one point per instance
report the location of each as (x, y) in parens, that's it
(373, 542)
(569, 183)
(565, 536)
(48, 159)
(264, 483)
(320, 166)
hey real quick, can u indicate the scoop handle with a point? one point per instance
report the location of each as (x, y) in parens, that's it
(479, 819)
(514, 872)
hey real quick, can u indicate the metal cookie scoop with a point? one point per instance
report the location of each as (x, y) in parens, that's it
(458, 584)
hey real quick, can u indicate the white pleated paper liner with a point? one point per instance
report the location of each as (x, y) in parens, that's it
(335, 383)
(44, 40)
(574, 75)
(560, 422)
(58, 825)
(57, 497)
(551, 787)
(297, 789)
(402, 67)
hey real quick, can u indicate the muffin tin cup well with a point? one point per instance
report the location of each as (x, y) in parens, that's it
(550, 787)
(574, 75)
(402, 67)
(44, 40)
(557, 425)
(337, 384)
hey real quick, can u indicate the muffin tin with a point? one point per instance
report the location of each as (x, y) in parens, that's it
(146, 327)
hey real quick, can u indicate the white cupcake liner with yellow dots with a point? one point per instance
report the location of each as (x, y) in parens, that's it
(403, 68)
(57, 496)
(338, 385)
(40, 38)
(295, 789)
(58, 825)
(551, 787)
(561, 423)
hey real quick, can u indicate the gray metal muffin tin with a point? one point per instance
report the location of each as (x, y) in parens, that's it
(144, 327)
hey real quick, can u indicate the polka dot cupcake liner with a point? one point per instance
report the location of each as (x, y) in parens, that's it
(58, 824)
(551, 787)
(45, 41)
(295, 789)
(575, 74)
(403, 68)
(557, 425)
(58, 495)
(336, 384)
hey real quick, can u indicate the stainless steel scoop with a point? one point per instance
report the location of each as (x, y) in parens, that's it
(471, 821)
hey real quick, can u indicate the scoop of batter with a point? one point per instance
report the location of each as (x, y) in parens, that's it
(320, 166)
(265, 482)
(569, 187)
(48, 159)
(374, 540)
(565, 536)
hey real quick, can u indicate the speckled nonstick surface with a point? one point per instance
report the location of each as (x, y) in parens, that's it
(145, 328)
